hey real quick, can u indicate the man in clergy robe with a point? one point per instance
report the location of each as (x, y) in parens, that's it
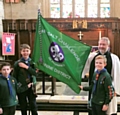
(113, 67)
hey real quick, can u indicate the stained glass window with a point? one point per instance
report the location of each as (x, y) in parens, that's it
(92, 8)
(105, 8)
(106, 1)
(79, 8)
(67, 9)
(55, 8)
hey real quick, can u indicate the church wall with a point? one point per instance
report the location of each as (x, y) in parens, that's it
(115, 5)
(1, 16)
(21, 10)
(1, 28)
(28, 10)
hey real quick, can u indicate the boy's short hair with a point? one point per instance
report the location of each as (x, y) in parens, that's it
(4, 64)
(101, 57)
(24, 46)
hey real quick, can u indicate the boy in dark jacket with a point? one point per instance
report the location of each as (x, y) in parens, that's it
(8, 88)
(24, 73)
(101, 87)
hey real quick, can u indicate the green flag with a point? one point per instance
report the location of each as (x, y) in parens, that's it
(58, 54)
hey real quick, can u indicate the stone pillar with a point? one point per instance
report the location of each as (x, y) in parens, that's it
(1, 17)
(45, 6)
(115, 5)
(1, 27)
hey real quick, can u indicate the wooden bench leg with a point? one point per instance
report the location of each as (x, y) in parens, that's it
(76, 113)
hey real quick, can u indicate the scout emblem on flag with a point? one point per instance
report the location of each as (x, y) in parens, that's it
(59, 55)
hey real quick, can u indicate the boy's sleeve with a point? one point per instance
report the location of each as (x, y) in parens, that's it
(109, 90)
(88, 88)
(19, 87)
(15, 70)
(34, 79)
(32, 71)
(91, 86)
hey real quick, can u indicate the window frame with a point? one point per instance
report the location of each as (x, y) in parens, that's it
(86, 8)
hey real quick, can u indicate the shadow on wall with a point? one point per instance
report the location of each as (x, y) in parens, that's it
(24, 1)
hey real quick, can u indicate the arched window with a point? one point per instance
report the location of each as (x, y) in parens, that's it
(79, 8)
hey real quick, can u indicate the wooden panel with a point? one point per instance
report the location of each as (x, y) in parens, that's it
(32, 37)
(25, 30)
(24, 37)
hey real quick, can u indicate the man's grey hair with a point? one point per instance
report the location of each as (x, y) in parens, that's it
(105, 39)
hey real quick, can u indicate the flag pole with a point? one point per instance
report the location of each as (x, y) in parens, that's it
(40, 32)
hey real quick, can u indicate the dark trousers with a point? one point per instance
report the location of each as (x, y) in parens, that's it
(76, 113)
(25, 98)
(9, 110)
(89, 112)
(97, 109)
